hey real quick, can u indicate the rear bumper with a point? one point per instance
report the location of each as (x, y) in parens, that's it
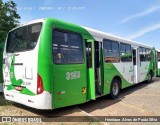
(41, 101)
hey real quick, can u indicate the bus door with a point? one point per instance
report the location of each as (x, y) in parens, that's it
(98, 67)
(94, 66)
(135, 65)
(143, 64)
(90, 69)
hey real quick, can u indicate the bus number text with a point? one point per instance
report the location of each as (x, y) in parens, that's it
(73, 75)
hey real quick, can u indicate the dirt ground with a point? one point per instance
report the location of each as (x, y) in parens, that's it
(139, 100)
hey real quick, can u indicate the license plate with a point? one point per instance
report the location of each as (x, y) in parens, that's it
(19, 88)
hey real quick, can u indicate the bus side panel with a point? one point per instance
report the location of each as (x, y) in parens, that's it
(45, 61)
(111, 71)
(158, 68)
(68, 90)
(144, 69)
(148, 70)
(153, 64)
(147, 67)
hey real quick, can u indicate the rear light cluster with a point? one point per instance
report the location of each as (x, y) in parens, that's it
(40, 88)
(19, 88)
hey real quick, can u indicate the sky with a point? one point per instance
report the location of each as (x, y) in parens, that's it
(138, 20)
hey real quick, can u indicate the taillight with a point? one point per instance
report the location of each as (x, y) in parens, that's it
(39, 84)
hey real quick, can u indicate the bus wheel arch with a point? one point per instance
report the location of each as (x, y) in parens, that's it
(120, 80)
(115, 87)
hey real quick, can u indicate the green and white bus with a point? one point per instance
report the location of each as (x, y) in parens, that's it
(158, 62)
(50, 64)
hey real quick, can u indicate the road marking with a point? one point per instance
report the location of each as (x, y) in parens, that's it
(94, 117)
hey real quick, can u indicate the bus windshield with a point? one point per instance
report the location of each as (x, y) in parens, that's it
(23, 38)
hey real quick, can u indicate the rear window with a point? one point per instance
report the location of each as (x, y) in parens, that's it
(24, 38)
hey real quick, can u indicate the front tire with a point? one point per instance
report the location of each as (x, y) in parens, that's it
(115, 89)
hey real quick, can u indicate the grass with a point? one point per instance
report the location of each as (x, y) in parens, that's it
(4, 102)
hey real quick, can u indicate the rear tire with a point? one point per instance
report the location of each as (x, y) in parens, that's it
(150, 76)
(115, 89)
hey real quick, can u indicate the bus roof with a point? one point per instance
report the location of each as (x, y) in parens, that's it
(98, 35)
(27, 23)
(158, 50)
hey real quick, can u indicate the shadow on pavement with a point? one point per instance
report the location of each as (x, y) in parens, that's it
(105, 101)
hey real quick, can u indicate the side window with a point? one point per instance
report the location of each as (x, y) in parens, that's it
(125, 52)
(111, 51)
(141, 54)
(67, 47)
(89, 54)
(129, 52)
(158, 53)
(145, 54)
(108, 46)
(148, 54)
(122, 48)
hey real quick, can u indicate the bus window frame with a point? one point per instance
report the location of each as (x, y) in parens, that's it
(125, 51)
(146, 54)
(108, 40)
(68, 31)
(38, 39)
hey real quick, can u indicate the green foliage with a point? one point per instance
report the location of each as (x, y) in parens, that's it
(4, 102)
(8, 18)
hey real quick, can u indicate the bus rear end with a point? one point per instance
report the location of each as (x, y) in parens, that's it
(22, 82)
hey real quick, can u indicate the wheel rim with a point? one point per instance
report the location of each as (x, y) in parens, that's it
(115, 88)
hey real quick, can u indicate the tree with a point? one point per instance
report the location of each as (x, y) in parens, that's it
(8, 18)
